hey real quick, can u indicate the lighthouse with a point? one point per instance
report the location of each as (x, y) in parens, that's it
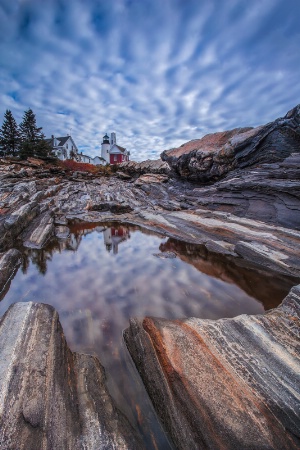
(105, 147)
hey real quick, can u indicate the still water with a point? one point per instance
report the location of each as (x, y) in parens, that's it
(102, 275)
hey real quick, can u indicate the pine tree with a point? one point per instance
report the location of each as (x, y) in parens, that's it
(9, 135)
(43, 149)
(33, 139)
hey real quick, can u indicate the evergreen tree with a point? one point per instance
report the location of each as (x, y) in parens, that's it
(30, 134)
(9, 135)
(43, 149)
(33, 139)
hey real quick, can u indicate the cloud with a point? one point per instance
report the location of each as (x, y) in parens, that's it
(157, 73)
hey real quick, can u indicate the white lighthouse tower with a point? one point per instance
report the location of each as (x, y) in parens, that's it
(105, 147)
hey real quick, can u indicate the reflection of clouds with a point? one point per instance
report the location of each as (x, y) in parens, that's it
(130, 283)
(158, 73)
(96, 292)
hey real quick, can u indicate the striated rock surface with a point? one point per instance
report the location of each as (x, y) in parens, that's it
(214, 155)
(270, 193)
(51, 398)
(230, 383)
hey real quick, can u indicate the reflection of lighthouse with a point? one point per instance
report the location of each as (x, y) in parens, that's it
(113, 236)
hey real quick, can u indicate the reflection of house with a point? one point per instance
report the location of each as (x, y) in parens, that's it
(111, 152)
(73, 242)
(64, 147)
(113, 236)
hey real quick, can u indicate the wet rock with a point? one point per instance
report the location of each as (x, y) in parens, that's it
(229, 383)
(214, 155)
(50, 397)
(9, 261)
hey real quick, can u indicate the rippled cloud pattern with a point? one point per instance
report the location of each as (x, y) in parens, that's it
(158, 73)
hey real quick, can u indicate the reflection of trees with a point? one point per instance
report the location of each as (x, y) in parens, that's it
(25, 262)
(40, 257)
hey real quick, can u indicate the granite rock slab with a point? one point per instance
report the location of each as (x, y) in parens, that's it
(51, 398)
(229, 383)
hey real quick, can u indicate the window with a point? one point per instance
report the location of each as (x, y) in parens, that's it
(115, 158)
(66, 145)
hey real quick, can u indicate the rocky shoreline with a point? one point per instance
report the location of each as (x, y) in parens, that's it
(236, 193)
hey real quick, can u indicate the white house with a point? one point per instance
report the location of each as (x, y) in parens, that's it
(97, 160)
(111, 152)
(64, 147)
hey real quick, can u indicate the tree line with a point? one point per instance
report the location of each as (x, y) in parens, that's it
(24, 140)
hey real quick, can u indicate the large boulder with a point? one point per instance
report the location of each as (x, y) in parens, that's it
(214, 155)
(52, 398)
(149, 166)
(230, 384)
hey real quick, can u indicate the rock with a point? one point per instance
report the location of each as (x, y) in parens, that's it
(115, 208)
(151, 178)
(15, 222)
(230, 383)
(165, 255)
(149, 166)
(36, 162)
(39, 232)
(50, 397)
(214, 155)
(21, 217)
(263, 193)
(264, 255)
(123, 176)
(62, 232)
(9, 261)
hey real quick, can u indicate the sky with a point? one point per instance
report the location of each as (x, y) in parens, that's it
(157, 72)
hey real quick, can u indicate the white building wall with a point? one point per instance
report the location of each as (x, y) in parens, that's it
(105, 151)
(85, 159)
(98, 160)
